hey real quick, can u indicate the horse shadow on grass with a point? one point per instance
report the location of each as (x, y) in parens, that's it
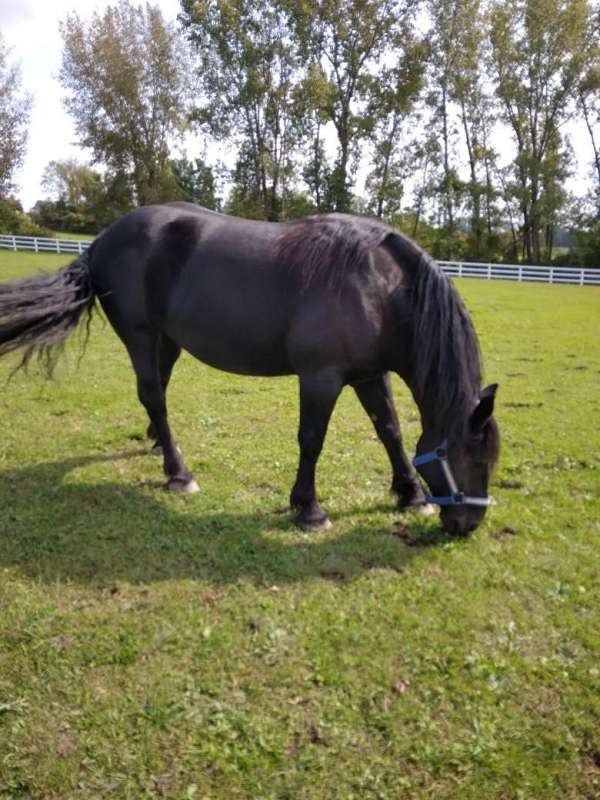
(53, 529)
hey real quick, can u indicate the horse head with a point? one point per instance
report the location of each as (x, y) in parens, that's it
(457, 467)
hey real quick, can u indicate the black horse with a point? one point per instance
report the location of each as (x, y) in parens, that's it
(334, 299)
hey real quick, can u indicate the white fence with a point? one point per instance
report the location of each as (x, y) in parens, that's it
(456, 269)
(38, 244)
(522, 272)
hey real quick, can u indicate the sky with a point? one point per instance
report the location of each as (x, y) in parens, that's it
(30, 29)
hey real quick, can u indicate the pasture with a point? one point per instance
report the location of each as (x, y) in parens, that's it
(154, 645)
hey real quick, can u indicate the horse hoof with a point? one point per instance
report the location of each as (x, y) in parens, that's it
(314, 524)
(182, 487)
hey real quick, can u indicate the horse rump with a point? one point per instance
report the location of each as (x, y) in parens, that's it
(38, 313)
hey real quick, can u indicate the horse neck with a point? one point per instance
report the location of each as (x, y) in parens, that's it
(424, 401)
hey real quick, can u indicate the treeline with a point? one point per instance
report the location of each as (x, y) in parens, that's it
(446, 118)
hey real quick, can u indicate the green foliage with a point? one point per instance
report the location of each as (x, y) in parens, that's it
(541, 49)
(196, 182)
(82, 200)
(586, 249)
(307, 96)
(394, 93)
(126, 74)
(13, 220)
(15, 107)
(154, 645)
(247, 65)
(345, 45)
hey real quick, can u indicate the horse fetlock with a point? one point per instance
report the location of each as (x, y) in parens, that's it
(410, 495)
(312, 518)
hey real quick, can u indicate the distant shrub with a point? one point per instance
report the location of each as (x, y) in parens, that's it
(14, 220)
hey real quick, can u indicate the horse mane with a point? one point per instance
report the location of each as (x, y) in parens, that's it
(446, 360)
(325, 249)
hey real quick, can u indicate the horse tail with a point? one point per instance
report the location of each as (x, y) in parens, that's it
(37, 314)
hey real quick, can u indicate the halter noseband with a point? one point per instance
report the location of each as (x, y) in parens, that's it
(456, 497)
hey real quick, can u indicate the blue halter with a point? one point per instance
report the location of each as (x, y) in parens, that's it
(456, 497)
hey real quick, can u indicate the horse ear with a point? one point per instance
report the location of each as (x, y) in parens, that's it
(484, 409)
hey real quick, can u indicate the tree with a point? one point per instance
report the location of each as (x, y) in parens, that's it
(588, 100)
(539, 51)
(81, 199)
(393, 96)
(446, 19)
(247, 65)
(71, 182)
(465, 86)
(311, 99)
(196, 182)
(126, 74)
(15, 107)
(344, 43)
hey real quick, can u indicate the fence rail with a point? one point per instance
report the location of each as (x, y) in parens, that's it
(39, 244)
(522, 272)
(456, 269)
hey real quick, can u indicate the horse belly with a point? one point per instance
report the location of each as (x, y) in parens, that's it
(243, 332)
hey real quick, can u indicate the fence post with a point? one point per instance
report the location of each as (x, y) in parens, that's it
(520, 273)
(581, 277)
(489, 271)
(551, 275)
(58, 245)
(79, 248)
(14, 243)
(35, 244)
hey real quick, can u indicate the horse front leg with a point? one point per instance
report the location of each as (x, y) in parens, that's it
(377, 400)
(318, 395)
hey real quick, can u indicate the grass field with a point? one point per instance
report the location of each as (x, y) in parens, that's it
(161, 646)
(82, 237)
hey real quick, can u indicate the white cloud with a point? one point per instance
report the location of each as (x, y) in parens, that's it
(15, 11)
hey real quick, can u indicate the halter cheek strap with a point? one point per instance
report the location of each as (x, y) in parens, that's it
(456, 497)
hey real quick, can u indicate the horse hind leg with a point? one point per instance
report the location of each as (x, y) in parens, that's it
(168, 353)
(143, 351)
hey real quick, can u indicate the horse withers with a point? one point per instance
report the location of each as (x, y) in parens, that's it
(335, 299)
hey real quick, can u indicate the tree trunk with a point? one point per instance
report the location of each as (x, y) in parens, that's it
(474, 187)
(595, 145)
(446, 137)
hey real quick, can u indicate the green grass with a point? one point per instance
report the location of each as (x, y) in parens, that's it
(82, 237)
(161, 646)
